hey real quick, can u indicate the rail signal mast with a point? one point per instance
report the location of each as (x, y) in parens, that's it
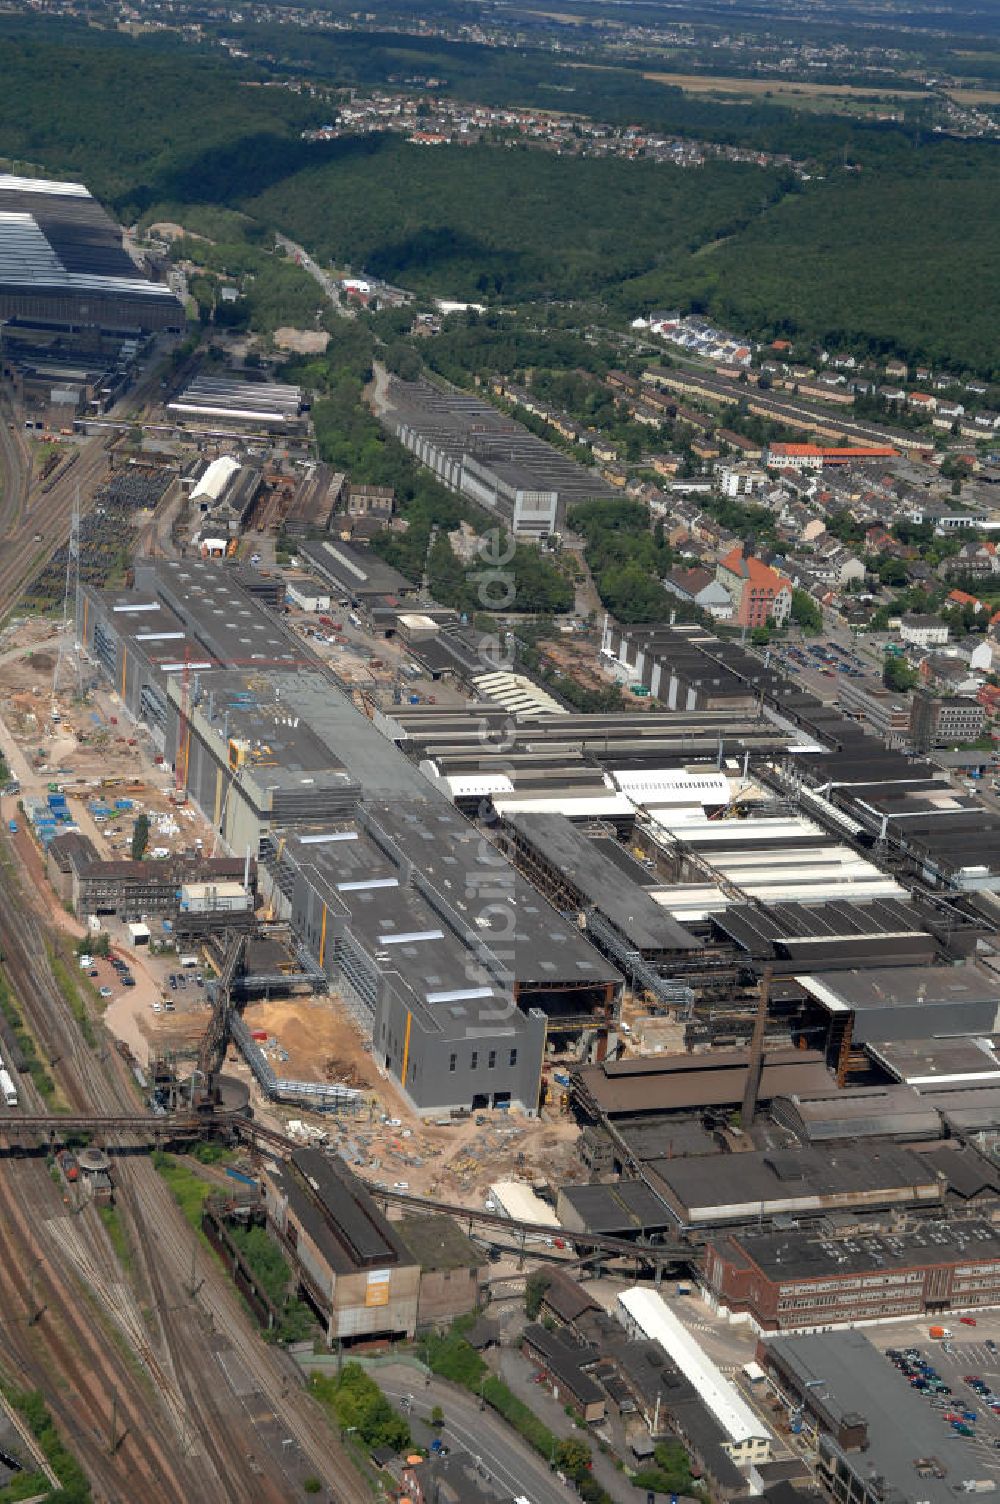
(183, 730)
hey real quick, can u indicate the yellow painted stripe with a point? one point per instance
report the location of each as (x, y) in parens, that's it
(406, 1048)
(86, 608)
(322, 938)
(218, 796)
(124, 667)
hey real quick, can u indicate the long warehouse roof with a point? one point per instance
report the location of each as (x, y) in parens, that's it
(650, 1313)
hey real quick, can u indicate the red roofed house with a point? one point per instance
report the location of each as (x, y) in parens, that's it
(758, 592)
(815, 456)
(962, 598)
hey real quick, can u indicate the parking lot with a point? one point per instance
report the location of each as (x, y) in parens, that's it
(965, 1356)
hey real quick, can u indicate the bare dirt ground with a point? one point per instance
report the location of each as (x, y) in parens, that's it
(166, 229)
(319, 1038)
(302, 341)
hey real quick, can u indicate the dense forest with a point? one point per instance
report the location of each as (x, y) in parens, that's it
(480, 221)
(902, 255)
(908, 264)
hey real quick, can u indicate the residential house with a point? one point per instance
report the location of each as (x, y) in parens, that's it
(923, 631)
(951, 672)
(701, 588)
(838, 564)
(962, 599)
(741, 479)
(450, 1479)
(758, 593)
(976, 560)
(922, 403)
(877, 539)
(980, 426)
(799, 523)
(667, 464)
(748, 448)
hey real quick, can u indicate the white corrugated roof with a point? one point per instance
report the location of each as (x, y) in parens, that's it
(597, 807)
(9, 183)
(653, 786)
(474, 785)
(515, 692)
(216, 478)
(653, 1316)
(521, 1204)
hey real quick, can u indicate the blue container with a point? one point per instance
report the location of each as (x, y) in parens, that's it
(239, 1175)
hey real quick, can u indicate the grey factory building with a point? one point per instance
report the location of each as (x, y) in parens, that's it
(870, 792)
(63, 266)
(731, 1188)
(443, 1020)
(452, 960)
(493, 460)
(596, 876)
(355, 574)
(886, 1003)
(234, 402)
(188, 615)
(874, 1440)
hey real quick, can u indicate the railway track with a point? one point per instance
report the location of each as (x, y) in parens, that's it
(44, 517)
(15, 470)
(187, 1426)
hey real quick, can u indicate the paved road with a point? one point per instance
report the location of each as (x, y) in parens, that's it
(481, 1433)
(517, 1371)
(329, 284)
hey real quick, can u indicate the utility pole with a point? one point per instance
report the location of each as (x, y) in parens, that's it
(71, 593)
(35, 1311)
(755, 1064)
(194, 1283)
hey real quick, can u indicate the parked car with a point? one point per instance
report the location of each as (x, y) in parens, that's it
(106, 992)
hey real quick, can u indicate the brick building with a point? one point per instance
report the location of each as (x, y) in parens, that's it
(758, 592)
(798, 1280)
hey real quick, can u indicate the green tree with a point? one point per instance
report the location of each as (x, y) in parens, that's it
(806, 612)
(897, 674)
(535, 1287)
(573, 1457)
(140, 837)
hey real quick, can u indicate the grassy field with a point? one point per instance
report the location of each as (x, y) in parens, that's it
(975, 96)
(780, 88)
